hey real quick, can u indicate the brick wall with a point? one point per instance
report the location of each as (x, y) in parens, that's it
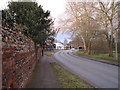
(18, 58)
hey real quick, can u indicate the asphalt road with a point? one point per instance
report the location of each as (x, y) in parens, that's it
(100, 75)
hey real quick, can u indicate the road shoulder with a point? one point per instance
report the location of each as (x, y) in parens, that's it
(99, 60)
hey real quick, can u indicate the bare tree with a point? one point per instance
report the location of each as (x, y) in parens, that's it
(108, 18)
(88, 20)
(81, 22)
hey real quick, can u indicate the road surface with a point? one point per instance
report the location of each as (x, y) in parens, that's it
(100, 75)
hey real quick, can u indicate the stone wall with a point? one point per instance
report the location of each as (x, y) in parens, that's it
(18, 58)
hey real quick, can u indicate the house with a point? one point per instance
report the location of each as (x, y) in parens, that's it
(59, 46)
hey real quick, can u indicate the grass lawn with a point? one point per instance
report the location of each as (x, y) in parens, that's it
(101, 56)
(67, 79)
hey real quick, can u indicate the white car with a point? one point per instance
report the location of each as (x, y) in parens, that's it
(73, 49)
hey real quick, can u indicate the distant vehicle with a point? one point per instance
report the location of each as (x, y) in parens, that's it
(73, 49)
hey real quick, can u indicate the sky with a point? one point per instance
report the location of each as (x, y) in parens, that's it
(56, 7)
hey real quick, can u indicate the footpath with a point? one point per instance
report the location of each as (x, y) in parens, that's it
(43, 75)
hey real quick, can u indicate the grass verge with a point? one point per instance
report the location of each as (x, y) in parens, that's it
(101, 56)
(67, 79)
(49, 53)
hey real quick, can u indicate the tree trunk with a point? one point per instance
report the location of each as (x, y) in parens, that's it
(87, 49)
(84, 44)
(87, 46)
(110, 49)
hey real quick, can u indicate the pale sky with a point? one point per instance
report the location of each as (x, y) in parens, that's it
(55, 6)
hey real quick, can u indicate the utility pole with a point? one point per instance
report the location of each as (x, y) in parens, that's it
(116, 44)
(118, 32)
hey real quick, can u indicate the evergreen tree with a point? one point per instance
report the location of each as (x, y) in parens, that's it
(35, 22)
